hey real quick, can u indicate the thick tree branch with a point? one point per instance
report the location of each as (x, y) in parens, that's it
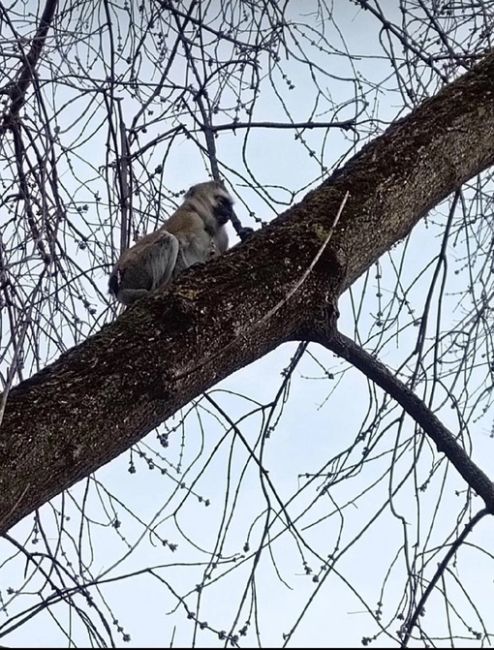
(103, 395)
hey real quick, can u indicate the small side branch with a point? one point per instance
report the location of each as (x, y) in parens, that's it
(416, 408)
(207, 126)
(26, 74)
(346, 125)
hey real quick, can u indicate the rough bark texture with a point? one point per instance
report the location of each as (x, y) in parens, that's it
(103, 395)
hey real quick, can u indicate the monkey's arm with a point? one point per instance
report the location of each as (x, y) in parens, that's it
(195, 247)
(220, 241)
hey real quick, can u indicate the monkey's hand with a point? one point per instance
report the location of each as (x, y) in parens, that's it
(244, 233)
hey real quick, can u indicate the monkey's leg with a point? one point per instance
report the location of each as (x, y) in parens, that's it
(128, 296)
(163, 258)
(153, 268)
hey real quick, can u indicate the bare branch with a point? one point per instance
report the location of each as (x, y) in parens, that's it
(19, 88)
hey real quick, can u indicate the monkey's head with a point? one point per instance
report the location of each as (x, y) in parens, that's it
(215, 196)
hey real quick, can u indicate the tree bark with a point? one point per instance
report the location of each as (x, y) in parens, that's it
(105, 394)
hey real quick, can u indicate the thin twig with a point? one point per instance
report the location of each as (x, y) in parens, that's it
(316, 259)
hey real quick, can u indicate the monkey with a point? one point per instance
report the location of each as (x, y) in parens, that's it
(194, 233)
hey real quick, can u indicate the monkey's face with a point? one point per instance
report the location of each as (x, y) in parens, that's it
(223, 207)
(214, 193)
